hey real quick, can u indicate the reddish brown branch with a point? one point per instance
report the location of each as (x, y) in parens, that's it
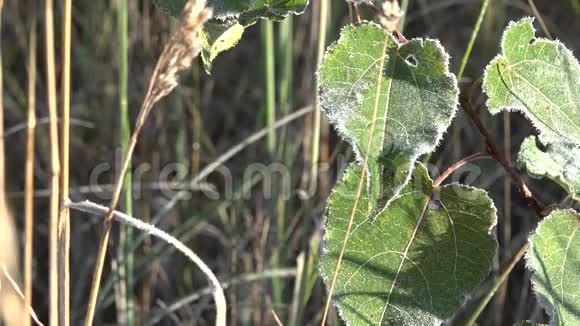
(494, 152)
(457, 165)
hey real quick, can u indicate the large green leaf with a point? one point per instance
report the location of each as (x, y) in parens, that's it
(554, 257)
(390, 101)
(246, 12)
(559, 162)
(417, 261)
(231, 17)
(538, 77)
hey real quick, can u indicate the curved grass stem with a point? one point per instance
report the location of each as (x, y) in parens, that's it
(218, 292)
(497, 283)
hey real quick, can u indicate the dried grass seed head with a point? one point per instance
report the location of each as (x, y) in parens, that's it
(392, 15)
(184, 46)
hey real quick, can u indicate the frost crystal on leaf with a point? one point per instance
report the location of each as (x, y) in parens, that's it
(540, 78)
(390, 101)
(553, 256)
(416, 262)
(560, 162)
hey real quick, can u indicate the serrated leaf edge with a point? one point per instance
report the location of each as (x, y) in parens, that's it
(530, 116)
(550, 309)
(491, 230)
(440, 132)
(559, 178)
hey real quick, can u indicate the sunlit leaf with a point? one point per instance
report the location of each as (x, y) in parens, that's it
(390, 101)
(417, 262)
(554, 257)
(231, 17)
(538, 77)
(218, 38)
(559, 162)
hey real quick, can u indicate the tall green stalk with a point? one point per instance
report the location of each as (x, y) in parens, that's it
(467, 53)
(269, 81)
(404, 8)
(284, 87)
(322, 25)
(286, 42)
(124, 136)
(455, 131)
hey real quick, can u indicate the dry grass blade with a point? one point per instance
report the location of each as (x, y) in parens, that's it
(176, 56)
(16, 289)
(2, 167)
(64, 225)
(29, 183)
(218, 292)
(54, 158)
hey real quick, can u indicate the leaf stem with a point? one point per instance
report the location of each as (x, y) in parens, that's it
(458, 165)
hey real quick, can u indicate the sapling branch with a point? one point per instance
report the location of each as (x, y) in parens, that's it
(494, 152)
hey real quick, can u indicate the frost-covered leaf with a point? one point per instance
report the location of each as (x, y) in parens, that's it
(390, 101)
(417, 262)
(218, 38)
(246, 12)
(230, 19)
(538, 77)
(559, 162)
(554, 257)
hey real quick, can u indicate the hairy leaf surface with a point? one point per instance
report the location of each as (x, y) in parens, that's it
(538, 77)
(246, 12)
(416, 263)
(390, 101)
(559, 162)
(554, 257)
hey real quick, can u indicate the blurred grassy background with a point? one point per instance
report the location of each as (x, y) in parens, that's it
(264, 247)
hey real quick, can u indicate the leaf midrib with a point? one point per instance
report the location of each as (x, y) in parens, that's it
(557, 107)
